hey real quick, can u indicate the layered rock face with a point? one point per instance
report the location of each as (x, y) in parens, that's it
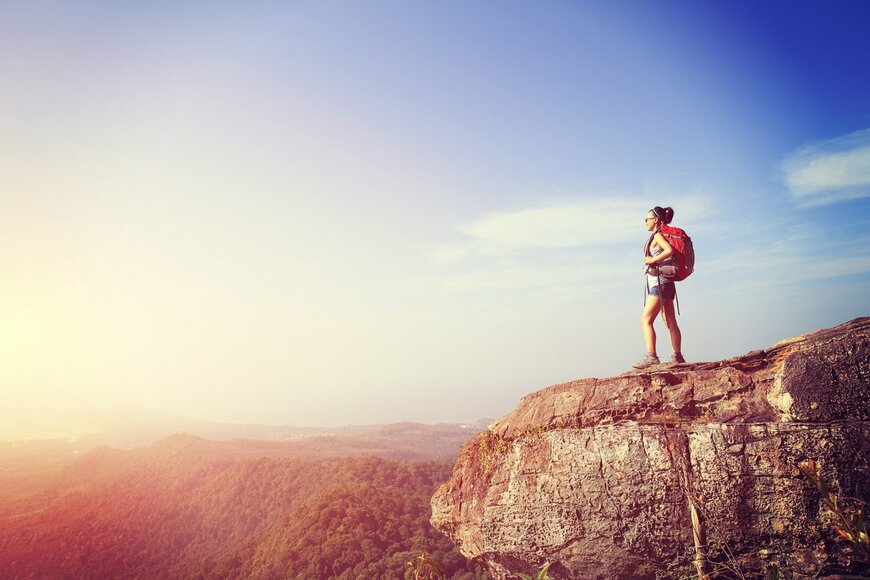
(597, 476)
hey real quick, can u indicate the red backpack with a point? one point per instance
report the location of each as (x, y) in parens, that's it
(683, 249)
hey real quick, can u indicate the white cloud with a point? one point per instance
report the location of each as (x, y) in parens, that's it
(790, 259)
(447, 253)
(830, 171)
(514, 276)
(574, 248)
(572, 223)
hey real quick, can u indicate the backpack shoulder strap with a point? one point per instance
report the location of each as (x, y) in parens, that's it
(647, 248)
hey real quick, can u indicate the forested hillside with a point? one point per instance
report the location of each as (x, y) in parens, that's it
(185, 508)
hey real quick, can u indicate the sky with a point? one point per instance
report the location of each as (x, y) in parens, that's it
(331, 213)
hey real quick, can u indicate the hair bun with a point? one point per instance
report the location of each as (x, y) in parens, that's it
(664, 214)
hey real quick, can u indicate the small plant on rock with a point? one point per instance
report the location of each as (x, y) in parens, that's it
(850, 517)
(424, 567)
(541, 575)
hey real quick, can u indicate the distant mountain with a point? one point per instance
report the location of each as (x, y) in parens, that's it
(129, 426)
(187, 507)
(26, 467)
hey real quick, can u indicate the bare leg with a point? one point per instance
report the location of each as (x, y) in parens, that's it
(650, 312)
(671, 322)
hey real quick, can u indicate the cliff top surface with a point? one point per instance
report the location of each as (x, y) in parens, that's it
(809, 378)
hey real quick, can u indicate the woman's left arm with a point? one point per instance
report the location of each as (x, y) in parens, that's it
(667, 250)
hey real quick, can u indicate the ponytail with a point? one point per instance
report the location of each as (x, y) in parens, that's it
(664, 214)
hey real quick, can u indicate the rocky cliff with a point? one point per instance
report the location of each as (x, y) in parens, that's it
(599, 476)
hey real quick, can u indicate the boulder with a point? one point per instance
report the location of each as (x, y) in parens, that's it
(600, 477)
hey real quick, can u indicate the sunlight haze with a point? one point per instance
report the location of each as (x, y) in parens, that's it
(339, 213)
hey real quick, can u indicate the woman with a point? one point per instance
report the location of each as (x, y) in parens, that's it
(661, 291)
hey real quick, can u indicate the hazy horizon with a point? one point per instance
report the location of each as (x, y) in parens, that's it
(332, 213)
(115, 421)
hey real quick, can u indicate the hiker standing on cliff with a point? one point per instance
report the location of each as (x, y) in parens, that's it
(659, 257)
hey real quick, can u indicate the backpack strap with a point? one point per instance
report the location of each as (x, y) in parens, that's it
(647, 249)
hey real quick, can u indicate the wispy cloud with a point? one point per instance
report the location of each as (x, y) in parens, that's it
(792, 259)
(524, 276)
(570, 223)
(567, 247)
(575, 247)
(830, 171)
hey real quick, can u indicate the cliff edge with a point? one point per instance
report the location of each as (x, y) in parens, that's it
(597, 476)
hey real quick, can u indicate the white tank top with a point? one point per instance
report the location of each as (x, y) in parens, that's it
(653, 280)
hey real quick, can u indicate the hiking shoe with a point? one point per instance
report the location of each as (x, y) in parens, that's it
(676, 359)
(649, 360)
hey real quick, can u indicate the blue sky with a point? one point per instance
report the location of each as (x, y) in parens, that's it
(326, 213)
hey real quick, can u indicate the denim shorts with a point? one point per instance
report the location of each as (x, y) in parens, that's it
(665, 291)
